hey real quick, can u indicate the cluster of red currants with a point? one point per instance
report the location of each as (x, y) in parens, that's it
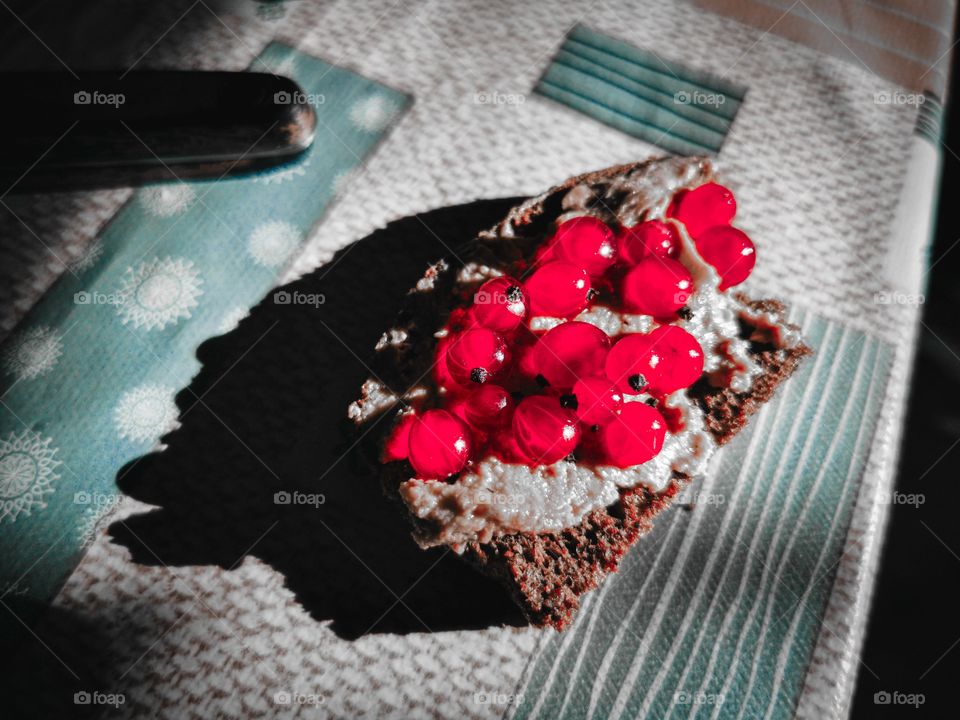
(582, 376)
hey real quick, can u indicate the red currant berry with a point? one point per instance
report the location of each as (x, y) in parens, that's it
(598, 401)
(676, 358)
(522, 367)
(546, 252)
(627, 365)
(558, 289)
(653, 237)
(395, 448)
(570, 351)
(703, 207)
(545, 431)
(587, 242)
(439, 445)
(488, 407)
(441, 372)
(500, 304)
(634, 436)
(656, 286)
(667, 359)
(730, 252)
(476, 356)
(503, 444)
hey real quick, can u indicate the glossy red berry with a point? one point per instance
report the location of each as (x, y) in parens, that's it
(652, 237)
(500, 304)
(571, 351)
(558, 289)
(703, 207)
(476, 356)
(676, 359)
(598, 400)
(523, 369)
(397, 444)
(633, 437)
(586, 242)
(730, 252)
(544, 430)
(441, 371)
(546, 252)
(666, 360)
(439, 445)
(627, 365)
(656, 286)
(488, 407)
(503, 444)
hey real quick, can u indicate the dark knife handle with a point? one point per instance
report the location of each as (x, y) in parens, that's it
(110, 128)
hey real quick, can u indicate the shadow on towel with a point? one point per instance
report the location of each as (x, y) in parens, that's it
(266, 415)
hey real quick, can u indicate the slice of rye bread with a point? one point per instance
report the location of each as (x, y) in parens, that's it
(546, 573)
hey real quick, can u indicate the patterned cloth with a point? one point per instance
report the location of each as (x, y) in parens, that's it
(667, 104)
(92, 373)
(811, 134)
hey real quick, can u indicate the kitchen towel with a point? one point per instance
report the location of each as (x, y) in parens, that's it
(811, 133)
(90, 375)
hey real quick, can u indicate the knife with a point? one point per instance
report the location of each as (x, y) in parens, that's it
(114, 129)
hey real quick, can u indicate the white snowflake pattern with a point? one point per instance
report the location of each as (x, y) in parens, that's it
(33, 352)
(284, 174)
(373, 113)
(167, 200)
(272, 242)
(93, 520)
(146, 412)
(88, 258)
(27, 474)
(232, 319)
(159, 292)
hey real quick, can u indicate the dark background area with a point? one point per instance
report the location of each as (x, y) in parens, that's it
(913, 634)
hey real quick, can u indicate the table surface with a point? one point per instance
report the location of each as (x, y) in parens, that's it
(813, 137)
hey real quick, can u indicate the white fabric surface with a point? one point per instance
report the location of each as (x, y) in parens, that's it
(817, 168)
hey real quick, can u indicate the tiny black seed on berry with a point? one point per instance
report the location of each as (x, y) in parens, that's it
(541, 381)
(638, 382)
(651, 402)
(594, 428)
(479, 375)
(514, 294)
(569, 401)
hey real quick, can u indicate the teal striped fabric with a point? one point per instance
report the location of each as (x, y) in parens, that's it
(929, 122)
(682, 110)
(716, 613)
(89, 377)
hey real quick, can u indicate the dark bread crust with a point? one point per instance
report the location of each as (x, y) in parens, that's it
(547, 573)
(728, 411)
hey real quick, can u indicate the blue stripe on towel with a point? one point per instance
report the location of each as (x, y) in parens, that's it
(665, 103)
(715, 614)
